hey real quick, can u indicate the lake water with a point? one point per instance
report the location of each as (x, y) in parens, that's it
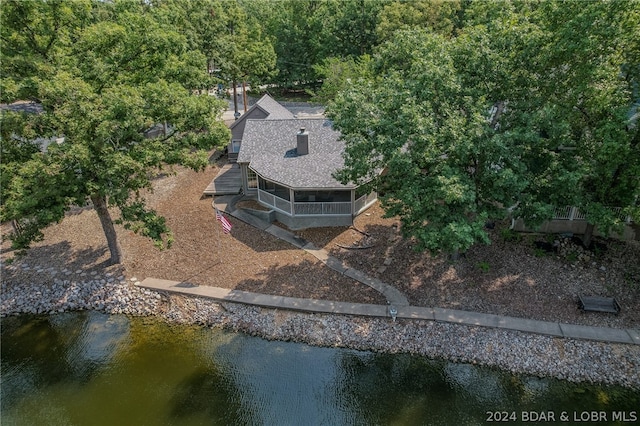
(89, 368)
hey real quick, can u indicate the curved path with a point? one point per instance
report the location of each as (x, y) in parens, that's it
(397, 304)
(393, 295)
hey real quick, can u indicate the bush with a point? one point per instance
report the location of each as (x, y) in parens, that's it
(509, 235)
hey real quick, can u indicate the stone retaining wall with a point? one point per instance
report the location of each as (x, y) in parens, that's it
(52, 291)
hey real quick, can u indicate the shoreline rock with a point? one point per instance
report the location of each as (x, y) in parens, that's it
(51, 291)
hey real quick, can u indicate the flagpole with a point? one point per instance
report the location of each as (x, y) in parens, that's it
(217, 232)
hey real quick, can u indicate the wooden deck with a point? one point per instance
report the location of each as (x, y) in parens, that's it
(227, 182)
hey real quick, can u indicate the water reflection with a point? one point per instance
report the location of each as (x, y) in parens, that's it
(89, 368)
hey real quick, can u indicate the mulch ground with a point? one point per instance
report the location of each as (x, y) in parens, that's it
(506, 277)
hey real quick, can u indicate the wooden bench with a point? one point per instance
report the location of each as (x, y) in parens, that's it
(598, 304)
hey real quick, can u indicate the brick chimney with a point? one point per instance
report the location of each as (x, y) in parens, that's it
(302, 146)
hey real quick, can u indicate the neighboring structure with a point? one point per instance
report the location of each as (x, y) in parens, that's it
(27, 107)
(571, 220)
(289, 165)
(266, 108)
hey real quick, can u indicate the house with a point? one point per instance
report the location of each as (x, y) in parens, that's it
(27, 107)
(266, 108)
(288, 164)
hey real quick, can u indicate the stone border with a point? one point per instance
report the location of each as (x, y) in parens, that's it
(579, 332)
(397, 301)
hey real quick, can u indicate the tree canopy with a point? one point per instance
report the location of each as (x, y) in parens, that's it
(456, 111)
(532, 108)
(111, 74)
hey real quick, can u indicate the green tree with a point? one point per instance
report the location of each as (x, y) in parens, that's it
(439, 16)
(530, 109)
(350, 27)
(338, 74)
(589, 67)
(230, 38)
(202, 22)
(46, 30)
(245, 54)
(298, 28)
(306, 33)
(424, 137)
(119, 78)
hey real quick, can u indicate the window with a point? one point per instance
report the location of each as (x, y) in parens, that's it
(235, 145)
(252, 179)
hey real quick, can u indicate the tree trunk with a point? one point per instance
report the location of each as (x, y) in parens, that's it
(100, 204)
(588, 235)
(244, 95)
(17, 229)
(236, 114)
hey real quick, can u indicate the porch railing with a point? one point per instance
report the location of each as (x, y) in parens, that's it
(322, 209)
(275, 201)
(305, 209)
(364, 202)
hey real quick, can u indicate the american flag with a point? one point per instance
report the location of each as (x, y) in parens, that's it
(226, 225)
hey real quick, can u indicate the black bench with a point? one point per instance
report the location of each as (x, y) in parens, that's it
(598, 304)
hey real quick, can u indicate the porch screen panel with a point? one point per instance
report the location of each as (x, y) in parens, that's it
(273, 188)
(322, 196)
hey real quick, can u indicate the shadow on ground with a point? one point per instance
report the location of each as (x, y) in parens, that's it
(60, 256)
(325, 284)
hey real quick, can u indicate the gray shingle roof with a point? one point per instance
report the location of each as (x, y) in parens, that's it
(275, 110)
(271, 107)
(269, 148)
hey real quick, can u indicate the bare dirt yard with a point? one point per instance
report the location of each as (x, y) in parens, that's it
(512, 276)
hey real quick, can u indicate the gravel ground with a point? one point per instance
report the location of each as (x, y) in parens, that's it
(68, 270)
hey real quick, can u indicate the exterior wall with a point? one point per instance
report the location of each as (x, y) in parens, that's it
(238, 130)
(302, 222)
(267, 216)
(243, 173)
(575, 227)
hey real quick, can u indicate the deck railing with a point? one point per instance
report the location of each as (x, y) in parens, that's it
(305, 209)
(275, 201)
(574, 213)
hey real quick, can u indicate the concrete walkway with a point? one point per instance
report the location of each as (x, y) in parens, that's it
(612, 335)
(393, 295)
(397, 304)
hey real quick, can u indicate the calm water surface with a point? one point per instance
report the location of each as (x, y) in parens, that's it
(94, 369)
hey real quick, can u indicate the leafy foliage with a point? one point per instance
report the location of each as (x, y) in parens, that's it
(440, 16)
(524, 108)
(338, 74)
(124, 74)
(307, 33)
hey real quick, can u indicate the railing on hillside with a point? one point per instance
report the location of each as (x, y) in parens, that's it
(574, 213)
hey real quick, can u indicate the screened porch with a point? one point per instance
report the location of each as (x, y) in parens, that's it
(305, 203)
